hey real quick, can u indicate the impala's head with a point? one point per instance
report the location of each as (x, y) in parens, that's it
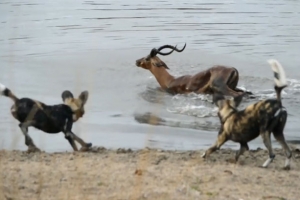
(76, 104)
(153, 61)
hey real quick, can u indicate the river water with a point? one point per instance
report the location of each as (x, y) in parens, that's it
(49, 46)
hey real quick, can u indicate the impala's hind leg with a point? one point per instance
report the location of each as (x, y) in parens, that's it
(220, 87)
(279, 136)
(232, 84)
(28, 141)
(233, 80)
(230, 92)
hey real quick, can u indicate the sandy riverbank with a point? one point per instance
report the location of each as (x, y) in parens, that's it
(146, 174)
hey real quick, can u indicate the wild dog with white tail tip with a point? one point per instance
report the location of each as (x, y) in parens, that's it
(48, 118)
(261, 118)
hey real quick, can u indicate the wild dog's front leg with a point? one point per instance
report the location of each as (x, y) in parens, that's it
(68, 133)
(220, 141)
(28, 141)
(70, 136)
(84, 146)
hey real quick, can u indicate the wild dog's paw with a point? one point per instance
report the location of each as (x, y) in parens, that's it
(86, 147)
(232, 160)
(89, 145)
(287, 164)
(83, 149)
(32, 149)
(287, 168)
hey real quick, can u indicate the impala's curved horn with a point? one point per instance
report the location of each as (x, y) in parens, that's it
(153, 52)
(169, 47)
(165, 47)
(181, 50)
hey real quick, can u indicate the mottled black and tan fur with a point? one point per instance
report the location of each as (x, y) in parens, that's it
(48, 118)
(262, 118)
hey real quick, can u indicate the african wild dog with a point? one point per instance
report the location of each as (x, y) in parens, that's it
(48, 118)
(261, 118)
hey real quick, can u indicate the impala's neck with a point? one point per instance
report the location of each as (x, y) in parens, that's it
(162, 76)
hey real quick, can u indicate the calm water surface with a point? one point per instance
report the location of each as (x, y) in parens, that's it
(49, 46)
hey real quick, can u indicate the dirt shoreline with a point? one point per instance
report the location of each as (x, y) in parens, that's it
(146, 174)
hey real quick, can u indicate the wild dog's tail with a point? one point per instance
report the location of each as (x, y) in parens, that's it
(6, 92)
(279, 77)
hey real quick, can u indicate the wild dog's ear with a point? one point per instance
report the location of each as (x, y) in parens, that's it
(221, 103)
(84, 96)
(66, 95)
(218, 99)
(234, 102)
(238, 99)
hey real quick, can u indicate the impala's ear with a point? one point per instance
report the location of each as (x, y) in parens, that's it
(159, 63)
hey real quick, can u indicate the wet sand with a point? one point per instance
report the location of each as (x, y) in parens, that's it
(146, 174)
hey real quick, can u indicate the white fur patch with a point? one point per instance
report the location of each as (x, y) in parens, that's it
(287, 163)
(74, 117)
(228, 97)
(65, 126)
(267, 162)
(13, 109)
(277, 112)
(2, 87)
(277, 68)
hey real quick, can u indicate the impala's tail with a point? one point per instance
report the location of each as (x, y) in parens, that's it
(6, 92)
(279, 77)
